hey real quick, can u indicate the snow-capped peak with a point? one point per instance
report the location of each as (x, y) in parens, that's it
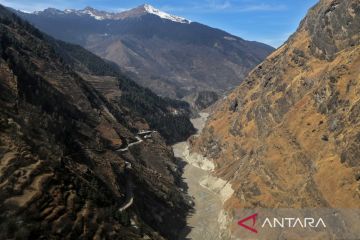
(93, 13)
(69, 10)
(49, 11)
(102, 15)
(150, 9)
(98, 15)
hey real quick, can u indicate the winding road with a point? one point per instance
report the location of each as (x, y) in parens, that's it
(139, 140)
(142, 133)
(203, 223)
(129, 199)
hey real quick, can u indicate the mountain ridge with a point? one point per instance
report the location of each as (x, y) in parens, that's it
(287, 137)
(173, 59)
(105, 15)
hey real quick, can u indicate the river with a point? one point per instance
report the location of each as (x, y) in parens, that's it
(203, 224)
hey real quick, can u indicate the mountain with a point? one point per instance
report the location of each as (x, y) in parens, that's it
(171, 55)
(289, 135)
(170, 117)
(80, 157)
(102, 15)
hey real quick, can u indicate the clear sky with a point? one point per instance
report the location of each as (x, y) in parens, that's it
(268, 21)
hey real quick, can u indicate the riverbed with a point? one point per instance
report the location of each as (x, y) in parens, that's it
(208, 192)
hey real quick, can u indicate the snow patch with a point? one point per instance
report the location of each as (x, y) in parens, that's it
(150, 9)
(69, 10)
(230, 38)
(92, 14)
(25, 11)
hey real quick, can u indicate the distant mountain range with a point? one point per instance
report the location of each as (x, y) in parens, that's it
(171, 55)
(103, 15)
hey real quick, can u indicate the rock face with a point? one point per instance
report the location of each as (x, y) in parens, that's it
(202, 99)
(288, 136)
(60, 177)
(170, 55)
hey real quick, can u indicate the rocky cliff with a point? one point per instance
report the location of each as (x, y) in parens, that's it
(289, 135)
(60, 174)
(202, 100)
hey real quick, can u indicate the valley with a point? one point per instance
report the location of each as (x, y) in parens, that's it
(204, 222)
(138, 124)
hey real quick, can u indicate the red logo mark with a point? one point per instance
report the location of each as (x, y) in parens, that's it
(253, 217)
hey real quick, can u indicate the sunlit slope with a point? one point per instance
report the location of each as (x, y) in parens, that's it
(289, 135)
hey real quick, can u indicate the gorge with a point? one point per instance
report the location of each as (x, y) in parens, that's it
(181, 131)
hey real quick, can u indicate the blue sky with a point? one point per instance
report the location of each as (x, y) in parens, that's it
(268, 21)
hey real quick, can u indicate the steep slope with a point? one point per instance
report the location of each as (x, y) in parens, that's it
(170, 55)
(289, 135)
(60, 177)
(202, 99)
(170, 117)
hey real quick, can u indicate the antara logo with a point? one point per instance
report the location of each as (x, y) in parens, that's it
(285, 222)
(253, 218)
(291, 222)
